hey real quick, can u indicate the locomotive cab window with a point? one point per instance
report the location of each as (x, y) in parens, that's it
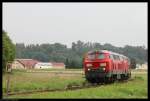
(91, 56)
(101, 56)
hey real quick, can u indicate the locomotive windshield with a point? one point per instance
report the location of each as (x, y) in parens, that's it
(91, 56)
(96, 56)
(101, 56)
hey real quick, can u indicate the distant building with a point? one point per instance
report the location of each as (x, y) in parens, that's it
(24, 63)
(138, 66)
(143, 66)
(34, 64)
(43, 65)
(57, 65)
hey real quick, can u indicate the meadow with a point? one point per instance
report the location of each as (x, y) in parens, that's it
(28, 81)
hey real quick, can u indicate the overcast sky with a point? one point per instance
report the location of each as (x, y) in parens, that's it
(116, 23)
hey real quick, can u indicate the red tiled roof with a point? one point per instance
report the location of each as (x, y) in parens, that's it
(27, 62)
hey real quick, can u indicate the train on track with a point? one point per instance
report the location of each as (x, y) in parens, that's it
(106, 66)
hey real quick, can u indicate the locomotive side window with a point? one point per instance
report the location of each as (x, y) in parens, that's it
(115, 57)
(111, 56)
(121, 58)
(124, 58)
(118, 58)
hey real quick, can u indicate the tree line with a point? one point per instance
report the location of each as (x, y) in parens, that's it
(72, 57)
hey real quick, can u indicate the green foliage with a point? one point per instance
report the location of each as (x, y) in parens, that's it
(72, 57)
(8, 49)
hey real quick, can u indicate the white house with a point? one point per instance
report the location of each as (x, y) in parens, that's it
(143, 66)
(43, 65)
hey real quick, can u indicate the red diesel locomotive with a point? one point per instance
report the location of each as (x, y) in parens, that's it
(106, 66)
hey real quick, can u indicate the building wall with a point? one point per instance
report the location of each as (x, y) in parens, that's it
(59, 67)
(17, 65)
(143, 66)
(42, 66)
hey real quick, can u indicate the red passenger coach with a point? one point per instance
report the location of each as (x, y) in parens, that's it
(106, 66)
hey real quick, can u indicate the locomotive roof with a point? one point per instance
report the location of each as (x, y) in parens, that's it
(106, 51)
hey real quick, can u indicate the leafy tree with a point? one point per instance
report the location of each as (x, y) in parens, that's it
(8, 49)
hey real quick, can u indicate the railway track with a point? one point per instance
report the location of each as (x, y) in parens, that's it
(69, 72)
(72, 86)
(67, 88)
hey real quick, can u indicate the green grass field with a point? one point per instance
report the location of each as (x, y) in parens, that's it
(24, 81)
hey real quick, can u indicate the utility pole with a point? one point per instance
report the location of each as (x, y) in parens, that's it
(8, 70)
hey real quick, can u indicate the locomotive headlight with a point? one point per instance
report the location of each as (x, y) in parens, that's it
(103, 64)
(88, 69)
(89, 65)
(103, 68)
